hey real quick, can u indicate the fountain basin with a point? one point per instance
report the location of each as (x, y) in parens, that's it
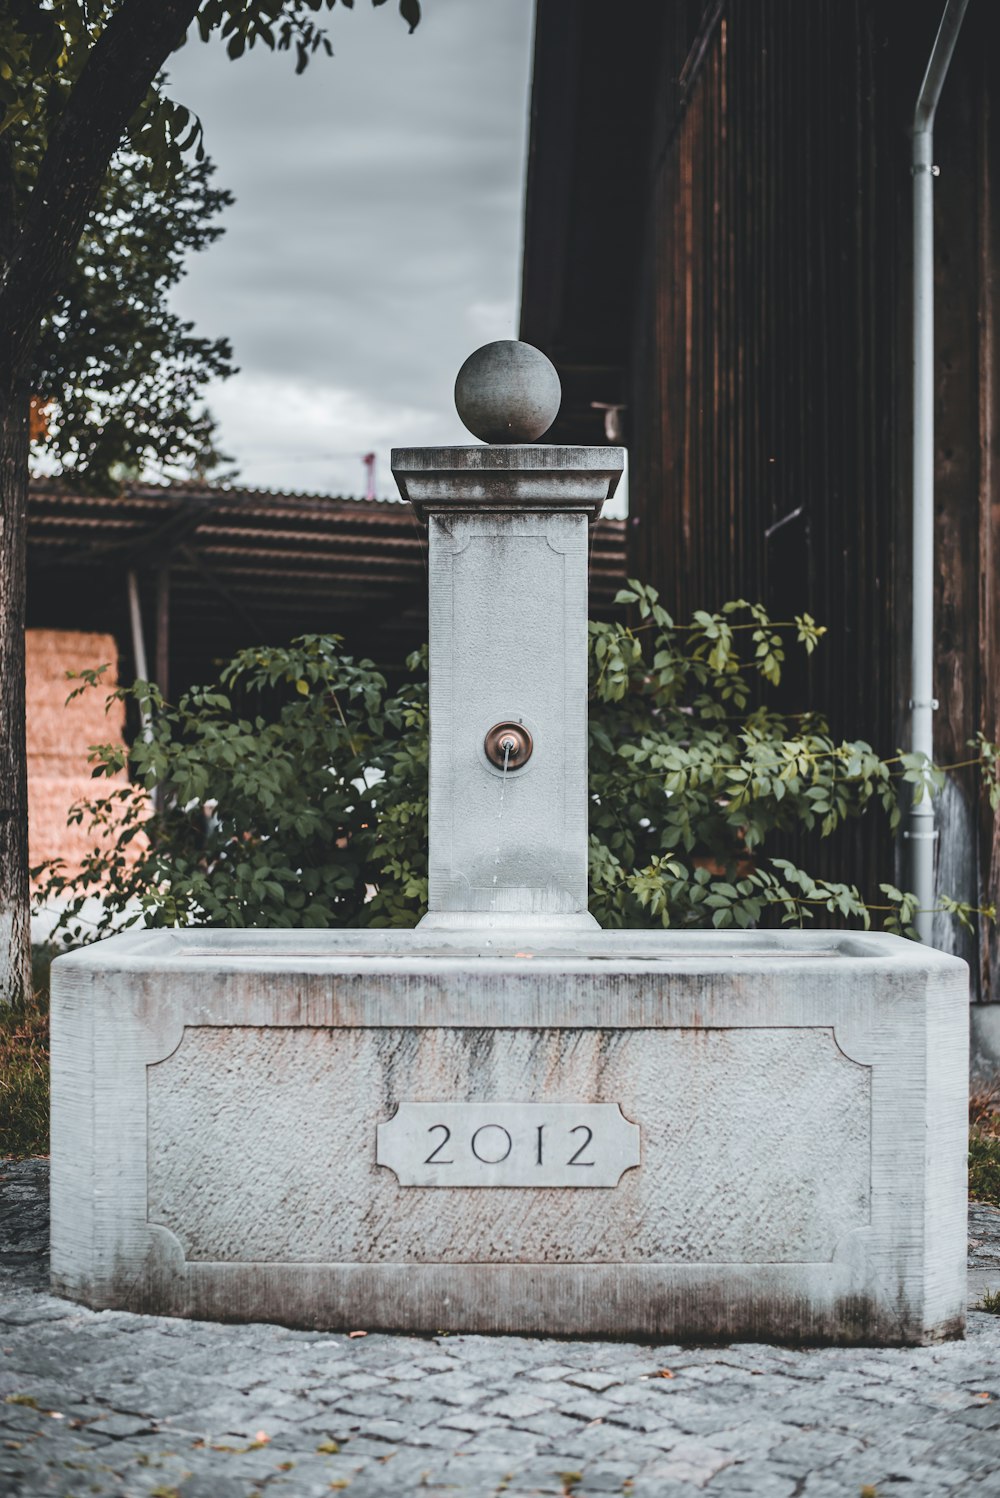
(674, 1135)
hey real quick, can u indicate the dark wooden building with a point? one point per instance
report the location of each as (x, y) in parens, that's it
(718, 239)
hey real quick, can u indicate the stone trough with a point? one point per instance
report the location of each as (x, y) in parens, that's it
(508, 1120)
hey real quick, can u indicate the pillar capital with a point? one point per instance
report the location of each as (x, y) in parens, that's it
(506, 478)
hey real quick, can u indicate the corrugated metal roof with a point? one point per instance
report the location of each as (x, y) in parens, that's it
(246, 567)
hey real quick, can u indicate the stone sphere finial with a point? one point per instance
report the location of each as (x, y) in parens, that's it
(508, 392)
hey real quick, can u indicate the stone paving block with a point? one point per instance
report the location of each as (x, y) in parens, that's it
(657, 1484)
(454, 1388)
(362, 1406)
(548, 1372)
(654, 1423)
(383, 1484)
(776, 1428)
(596, 1382)
(912, 1474)
(212, 1485)
(750, 1439)
(634, 1393)
(437, 1437)
(604, 1477)
(813, 1448)
(408, 1372)
(470, 1347)
(468, 1420)
(608, 1442)
(21, 1418)
(984, 1416)
(544, 1475)
(419, 1413)
(552, 1426)
(692, 1462)
(754, 1479)
(517, 1406)
(436, 1363)
(408, 1468)
(581, 1405)
(514, 1443)
(167, 1473)
(295, 1485)
(119, 1426)
(464, 1469)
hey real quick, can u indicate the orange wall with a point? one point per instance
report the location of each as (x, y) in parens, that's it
(60, 733)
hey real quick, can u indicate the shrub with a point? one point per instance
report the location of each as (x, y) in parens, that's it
(294, 792)
(692, 772)
(24, 1068)
(984, 1143)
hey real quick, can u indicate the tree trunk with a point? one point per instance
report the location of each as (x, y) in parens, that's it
(15, 926)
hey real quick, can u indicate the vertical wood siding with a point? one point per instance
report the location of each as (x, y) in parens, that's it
(769, 422)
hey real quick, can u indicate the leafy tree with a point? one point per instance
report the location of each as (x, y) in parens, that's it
(121, 372)
(77, 79)
(296, 790)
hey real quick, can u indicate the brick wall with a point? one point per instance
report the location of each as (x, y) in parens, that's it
(60, 734)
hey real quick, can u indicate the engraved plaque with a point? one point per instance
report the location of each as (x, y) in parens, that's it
(508, 1144)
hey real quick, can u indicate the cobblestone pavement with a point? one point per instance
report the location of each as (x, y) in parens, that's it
(114, 1404)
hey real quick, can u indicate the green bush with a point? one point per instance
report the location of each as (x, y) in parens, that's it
(984, 1142)
(294, 792)
(984, 1167)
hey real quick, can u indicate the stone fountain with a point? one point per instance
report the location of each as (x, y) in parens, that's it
(507, 1119)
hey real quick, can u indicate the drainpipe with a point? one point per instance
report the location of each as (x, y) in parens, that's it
(138, 647)
(920, 830)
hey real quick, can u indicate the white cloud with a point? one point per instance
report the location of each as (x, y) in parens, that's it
(489, 321)
(375, 241)
(293, 436)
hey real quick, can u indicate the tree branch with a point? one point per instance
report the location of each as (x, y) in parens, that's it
(113, 83)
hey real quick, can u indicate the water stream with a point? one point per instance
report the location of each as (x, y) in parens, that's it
(508, 745)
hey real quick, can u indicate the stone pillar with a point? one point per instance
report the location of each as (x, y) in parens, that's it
(508, 553)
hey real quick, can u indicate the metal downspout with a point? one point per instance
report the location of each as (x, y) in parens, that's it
(920, 831)
(138, 647)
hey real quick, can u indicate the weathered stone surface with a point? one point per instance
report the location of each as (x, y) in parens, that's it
(507, 574)
(740, 1098)
(508, 629)
(799, 1101)
(508, 391)
(508, 479)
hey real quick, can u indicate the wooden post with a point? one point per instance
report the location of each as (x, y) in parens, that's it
(163, 629)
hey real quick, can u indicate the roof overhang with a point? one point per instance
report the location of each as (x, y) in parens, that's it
(592, 105)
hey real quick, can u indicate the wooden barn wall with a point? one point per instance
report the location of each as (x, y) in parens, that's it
(769, 424)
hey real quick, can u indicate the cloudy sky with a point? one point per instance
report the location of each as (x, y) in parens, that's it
(375, 239)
